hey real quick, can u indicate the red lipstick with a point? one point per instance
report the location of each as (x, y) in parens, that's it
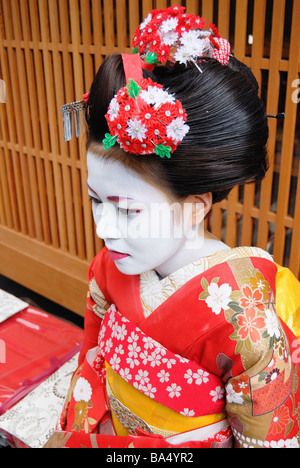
(116, 255)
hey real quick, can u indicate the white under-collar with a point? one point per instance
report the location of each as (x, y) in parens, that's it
(154, 291)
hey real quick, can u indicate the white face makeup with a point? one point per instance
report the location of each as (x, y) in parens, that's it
(141, 227)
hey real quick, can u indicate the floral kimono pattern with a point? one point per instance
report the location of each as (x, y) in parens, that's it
(216, 323)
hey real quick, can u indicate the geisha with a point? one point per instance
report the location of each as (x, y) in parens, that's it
(184, 344)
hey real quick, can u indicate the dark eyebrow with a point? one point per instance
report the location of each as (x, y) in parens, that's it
(117, 199)
(112, 198)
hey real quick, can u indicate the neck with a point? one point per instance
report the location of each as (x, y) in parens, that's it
(203, 245)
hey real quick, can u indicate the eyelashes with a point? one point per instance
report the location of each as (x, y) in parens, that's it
(94, 200)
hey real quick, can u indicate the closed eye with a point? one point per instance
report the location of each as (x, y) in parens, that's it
(94, 200)
(128, 211)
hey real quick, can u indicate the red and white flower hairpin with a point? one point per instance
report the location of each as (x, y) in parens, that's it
(142, 117)
(172, 35)
(145, 119)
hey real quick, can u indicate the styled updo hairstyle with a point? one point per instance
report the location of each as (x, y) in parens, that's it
(226, 143)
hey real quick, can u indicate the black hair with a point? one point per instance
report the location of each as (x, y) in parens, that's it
(226, 143)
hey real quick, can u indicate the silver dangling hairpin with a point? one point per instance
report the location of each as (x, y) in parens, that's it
(78, 110)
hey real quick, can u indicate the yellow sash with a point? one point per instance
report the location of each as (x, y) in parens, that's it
(158, 417)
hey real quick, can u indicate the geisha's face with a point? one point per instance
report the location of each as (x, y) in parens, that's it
(141, 227)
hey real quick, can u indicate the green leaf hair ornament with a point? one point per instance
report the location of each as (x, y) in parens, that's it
(109, 141)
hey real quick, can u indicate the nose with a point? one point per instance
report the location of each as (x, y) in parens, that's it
(106, 220)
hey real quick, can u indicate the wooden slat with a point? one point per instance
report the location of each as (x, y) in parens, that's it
(87, 223)
(288, 139)
(109, 30)
(161, 4)
(121, 20)
(29, 103)
(52, 112)
(79, 178)
(42, 148)
(240, 29)
(134, 15)
(24, 129)
(239, 53)
(96, 13)
(192, 6)
(272, 109)
(68, 196)
(208, 11)
(9, 217)
(85, 20)
(15, 181)
(224, 18)
(147, 6)
(294, 257)
(259, 15)
(41, 211)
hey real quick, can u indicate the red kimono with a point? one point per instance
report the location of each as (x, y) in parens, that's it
(206, 357)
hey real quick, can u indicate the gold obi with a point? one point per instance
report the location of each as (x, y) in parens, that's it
(131, 409)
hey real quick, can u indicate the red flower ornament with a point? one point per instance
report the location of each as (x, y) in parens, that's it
(145, 119)
(172, 35)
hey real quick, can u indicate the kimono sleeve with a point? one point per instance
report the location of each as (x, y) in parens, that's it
(288, 299)
(262, 402)
(96, 306)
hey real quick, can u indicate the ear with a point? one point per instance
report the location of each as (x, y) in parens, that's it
(201, 206)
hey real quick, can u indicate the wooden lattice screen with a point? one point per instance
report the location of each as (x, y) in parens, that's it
(49, 53)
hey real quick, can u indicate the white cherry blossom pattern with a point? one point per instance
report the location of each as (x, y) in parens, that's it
(219, 297)
(121, 332)
(218, 393)
(200, 377)
(125, 374)
(174, 390)
(108, 345)
(187, 412)
(142, 377)
(169, 378)
(148, 390)
(115, 362)
(163, 376)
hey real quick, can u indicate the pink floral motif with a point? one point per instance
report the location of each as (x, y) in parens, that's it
(250, 324)
(251, 298)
